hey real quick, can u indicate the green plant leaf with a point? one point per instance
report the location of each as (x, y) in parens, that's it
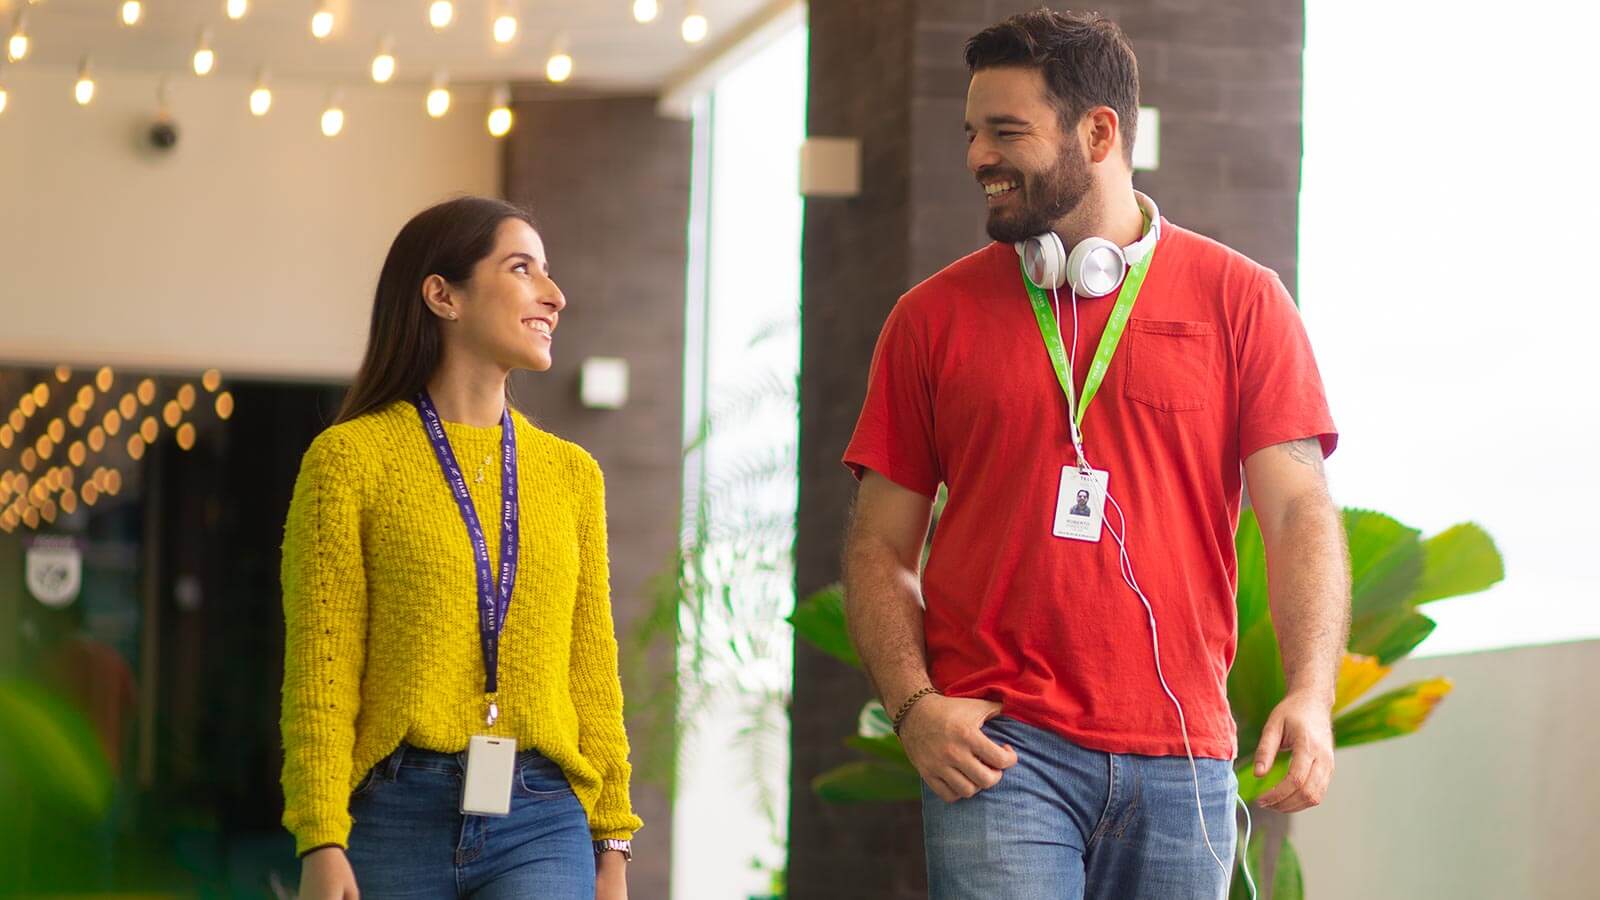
(55, 752)
(887, 749)
(1400, 635)
(1251, 598)
(819, 620)
(1385, 567)
(871, 781)
(874, 721)
(1391, 715)
(1460, 560)
(1251, 787)
(1255, 683)
(1288, 882)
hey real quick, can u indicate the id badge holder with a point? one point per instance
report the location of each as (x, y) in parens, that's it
(1081, 504)
(491, 764)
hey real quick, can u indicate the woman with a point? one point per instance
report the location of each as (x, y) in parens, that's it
(450, 643)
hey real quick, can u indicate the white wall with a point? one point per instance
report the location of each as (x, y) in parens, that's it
(1497, 797)
(254, 246)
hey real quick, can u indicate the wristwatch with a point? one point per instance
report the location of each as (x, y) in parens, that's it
(623, 847)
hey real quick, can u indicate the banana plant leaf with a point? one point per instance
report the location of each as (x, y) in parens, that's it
(874, 721)
(870, 781)
(54, 752)
(1288, 882)
(1386, 562)
(1458, 561)
(887, 749)
(875, 735)
(1255, 683)
(1399, 712)
(1397, 636)
(819, 620)
(1251, 787)
(1357, 675)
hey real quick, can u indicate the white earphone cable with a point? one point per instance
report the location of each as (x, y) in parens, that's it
(1125, 563)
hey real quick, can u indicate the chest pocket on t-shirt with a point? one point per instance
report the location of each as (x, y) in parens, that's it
(1172, 365)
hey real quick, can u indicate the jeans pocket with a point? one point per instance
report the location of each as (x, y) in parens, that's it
(539, 777)
(1172, 366)
(367, 783)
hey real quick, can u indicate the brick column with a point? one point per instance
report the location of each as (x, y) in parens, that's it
(1225, 75)
(607, 181)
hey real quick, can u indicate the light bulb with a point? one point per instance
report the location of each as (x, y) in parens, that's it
(132, 12)
(441, 13)
(695, 28)
(83, 91)
(383, 64)
(260, 99)
(205, 59)
(332, 121)
(237, 8)
(645, 11)
(500, 122)
(439, 98)
(2, 98)
(505, 29)
(322, 24)
(500, 112)
(17, 47)
(559, 67)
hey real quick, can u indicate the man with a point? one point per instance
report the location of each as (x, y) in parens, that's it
(1020, 665)
(1081, 508)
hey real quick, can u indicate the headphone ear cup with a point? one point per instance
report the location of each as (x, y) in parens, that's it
(1045, 260)
(1095, 267)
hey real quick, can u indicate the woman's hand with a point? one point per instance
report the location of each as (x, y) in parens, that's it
(325, 874)
(611, 876)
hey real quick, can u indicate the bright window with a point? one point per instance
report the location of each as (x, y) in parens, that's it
(1446, 212)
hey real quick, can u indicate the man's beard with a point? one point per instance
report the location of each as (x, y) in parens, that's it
(1045, 199)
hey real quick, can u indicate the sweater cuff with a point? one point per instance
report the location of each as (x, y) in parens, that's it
(305, 853)
(315, 836)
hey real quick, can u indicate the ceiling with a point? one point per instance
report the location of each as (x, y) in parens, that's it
(610, 50)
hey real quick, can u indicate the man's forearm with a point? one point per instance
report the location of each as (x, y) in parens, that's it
(883, 611)
(1309, 567)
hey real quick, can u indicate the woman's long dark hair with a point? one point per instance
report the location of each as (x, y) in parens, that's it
(403, 343)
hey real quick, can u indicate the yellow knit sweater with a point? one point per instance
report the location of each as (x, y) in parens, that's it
(380, 601)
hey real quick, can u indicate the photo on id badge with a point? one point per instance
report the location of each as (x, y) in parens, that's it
(1080, 504)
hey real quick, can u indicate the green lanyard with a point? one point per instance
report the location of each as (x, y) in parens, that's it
(1108, 341)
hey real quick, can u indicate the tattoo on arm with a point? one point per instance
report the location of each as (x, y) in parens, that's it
(1307, 452)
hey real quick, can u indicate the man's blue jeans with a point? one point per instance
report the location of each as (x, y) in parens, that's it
(1066, 823)
(411, 841)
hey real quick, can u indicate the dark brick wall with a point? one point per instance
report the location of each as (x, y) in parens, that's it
(1225, 75)
(855, 259)
(607, 181)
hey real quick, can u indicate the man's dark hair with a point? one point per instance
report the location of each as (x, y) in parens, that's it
(1084, 57)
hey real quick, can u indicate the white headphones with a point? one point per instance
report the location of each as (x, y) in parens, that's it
(1095, 266)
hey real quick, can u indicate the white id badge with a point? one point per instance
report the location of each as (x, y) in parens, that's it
(491, 764)
(1081, 505)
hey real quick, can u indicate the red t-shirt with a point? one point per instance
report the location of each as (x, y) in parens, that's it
(1214, 366)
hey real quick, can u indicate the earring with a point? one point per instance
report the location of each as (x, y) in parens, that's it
(452, 314)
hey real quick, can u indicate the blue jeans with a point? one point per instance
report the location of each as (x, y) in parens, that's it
(1066, 823)
(410, 839)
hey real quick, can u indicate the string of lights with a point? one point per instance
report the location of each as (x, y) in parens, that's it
(45, 459)
(325, 26)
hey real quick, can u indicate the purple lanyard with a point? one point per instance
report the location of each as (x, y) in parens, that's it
(493, 601)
